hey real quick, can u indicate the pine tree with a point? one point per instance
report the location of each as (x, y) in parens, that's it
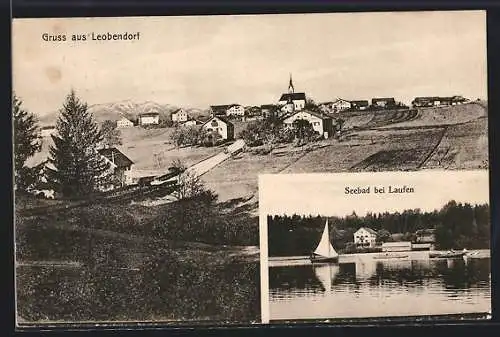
(27, 141)
(79, 169)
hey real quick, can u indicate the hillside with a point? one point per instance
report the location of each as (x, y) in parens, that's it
(452, 138)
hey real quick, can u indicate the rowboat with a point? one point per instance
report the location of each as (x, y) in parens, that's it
(390, 256)
(446, 255)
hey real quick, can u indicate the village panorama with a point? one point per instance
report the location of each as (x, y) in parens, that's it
(134, 211)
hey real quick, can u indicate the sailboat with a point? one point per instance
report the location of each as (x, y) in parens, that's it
(324, 251)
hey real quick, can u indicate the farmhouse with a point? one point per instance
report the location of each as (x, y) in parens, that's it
(220, 125)
(359, 105)
(48, 130)
(292, 101)
(340, 105)
(269, 110)
(401, 246)
(227, 110)
(320, 122)
(124, 123)
(179, 116)
(365, 237)
(149, 118)
(120, 165)
(431, 101)
(383, 102)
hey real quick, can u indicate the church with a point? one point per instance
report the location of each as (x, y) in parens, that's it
(292, 101)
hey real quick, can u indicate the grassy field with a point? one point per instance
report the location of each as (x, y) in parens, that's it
(109, 262)
(432, 138)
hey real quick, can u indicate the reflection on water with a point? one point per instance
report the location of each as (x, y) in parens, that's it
(377, 288)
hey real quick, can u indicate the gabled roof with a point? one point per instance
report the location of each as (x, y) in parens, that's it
(369, 230)
(294, 96)
(361, 102)
(383, 99)
(223, 119)
(269, 106)
(113, 154)
(178, 110)
(341, 100)
(149, 114)
(314, 113)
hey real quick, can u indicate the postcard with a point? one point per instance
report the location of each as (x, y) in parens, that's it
(138, 143)
(375, 245)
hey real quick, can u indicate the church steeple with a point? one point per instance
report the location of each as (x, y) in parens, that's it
(291, 89)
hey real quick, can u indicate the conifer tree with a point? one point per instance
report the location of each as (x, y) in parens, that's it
(27, 141)
(78, 169)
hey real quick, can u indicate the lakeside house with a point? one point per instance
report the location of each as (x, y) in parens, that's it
(220, 125)
(400, 246)
(149, 118)
(124, 123)
(179, 116)
(365, 237)
(120, 164)
(383, 102)
(47, 130)
(359, 105)
(320, 122)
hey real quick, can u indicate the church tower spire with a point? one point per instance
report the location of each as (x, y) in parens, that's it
(291, 89)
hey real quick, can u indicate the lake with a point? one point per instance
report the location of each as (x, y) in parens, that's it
(366, 287)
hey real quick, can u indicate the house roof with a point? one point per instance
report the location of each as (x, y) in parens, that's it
(362, 102)
(396, 244)
(149, 114)
(341, 100)
(294, 96)
(177, 111)
(314, 113)
(369, 230)
(223, 119)
(383, 99)
(113, 154)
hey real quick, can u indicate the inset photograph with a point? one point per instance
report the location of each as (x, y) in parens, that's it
(384, 246)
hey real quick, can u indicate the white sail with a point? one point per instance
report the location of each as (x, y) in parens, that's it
(326, 273)
(325, 247)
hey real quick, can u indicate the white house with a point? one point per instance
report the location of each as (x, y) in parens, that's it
(365, 237)
(340, 105)
(320, 122)
(149, 118)
(235, 110)
(124, 123)
(180, 116)
(220, 125)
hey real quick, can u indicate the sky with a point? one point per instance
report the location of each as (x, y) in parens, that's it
(206, 60)
(324, 194)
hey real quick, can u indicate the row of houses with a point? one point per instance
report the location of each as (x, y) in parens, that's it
(366, 237)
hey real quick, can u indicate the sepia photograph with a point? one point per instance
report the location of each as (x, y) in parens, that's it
(379, 245)
(138, 143)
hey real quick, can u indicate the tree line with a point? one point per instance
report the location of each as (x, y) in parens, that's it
(456, 225)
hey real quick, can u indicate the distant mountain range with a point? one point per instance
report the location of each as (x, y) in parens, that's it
(128, 109)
